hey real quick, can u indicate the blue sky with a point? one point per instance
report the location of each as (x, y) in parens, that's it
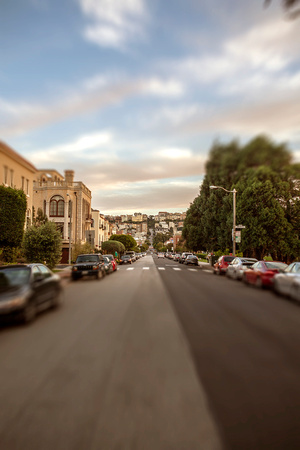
(131, 94)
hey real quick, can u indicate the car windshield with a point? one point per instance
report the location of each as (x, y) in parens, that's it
(13, 277)
(110, 257)
(276, 265)
(125, 257)
(228, 258)
(87, 258)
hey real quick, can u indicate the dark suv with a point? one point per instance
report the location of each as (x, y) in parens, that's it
(88, 265)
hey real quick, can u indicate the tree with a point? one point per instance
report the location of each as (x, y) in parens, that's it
(40, 218)
(128, 241)
(81, 249)
(13, 205)
(43, 244)
(267, 201)
(112, 246)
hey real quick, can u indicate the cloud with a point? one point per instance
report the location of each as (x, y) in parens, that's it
(81, 148)
(147, 198)
(94, 94)
(113, 23)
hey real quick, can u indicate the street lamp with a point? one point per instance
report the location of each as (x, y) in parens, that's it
(234, 214)
(70, 234)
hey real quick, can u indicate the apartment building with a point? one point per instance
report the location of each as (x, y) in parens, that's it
(65, 202)
(100, 229)
(18, 173)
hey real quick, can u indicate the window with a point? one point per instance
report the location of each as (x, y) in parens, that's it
(11, 177)
(23, 183)
(45, 207)
(5, 175)
(57, 206)
(27, 187)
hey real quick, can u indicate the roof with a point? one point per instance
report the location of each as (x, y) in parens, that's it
(16, 157)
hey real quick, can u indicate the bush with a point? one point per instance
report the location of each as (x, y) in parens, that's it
(13, 205)
(43, 244)
(81, 249)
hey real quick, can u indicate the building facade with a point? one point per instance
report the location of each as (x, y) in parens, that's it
(65, 202)
(18, 173)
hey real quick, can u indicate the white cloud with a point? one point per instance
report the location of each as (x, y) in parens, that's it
(175, 153)
(77, 149)
(113, 22)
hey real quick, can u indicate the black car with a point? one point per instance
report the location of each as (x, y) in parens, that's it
(26, 289)
(90, 265)
(191, 259)
(125, 259)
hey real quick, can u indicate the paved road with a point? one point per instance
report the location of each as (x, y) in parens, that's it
(245, 343)
(156, 356)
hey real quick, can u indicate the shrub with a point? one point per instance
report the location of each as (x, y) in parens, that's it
(43, 244)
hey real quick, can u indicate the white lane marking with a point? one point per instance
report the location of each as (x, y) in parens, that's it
(176, 268)
(146, 268)
(193, 270)
(161, 268)
(130, 268)
(207, 271)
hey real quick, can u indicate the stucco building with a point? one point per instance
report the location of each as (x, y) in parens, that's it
(18, 173)
(65, 202)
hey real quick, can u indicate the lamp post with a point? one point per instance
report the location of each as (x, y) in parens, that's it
(234, 214)
(70, 234)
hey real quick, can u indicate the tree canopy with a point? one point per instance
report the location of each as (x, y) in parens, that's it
(268, 190)
(128, 241)
(113, 246)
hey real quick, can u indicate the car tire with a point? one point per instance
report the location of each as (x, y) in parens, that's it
(29, 312)
(74, 278)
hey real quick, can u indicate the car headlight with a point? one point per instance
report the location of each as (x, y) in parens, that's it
(95, 267)
(74, 269)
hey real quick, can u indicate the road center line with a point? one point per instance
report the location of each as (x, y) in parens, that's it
(176, 268)
(130, 268)
(161, 268)
(146, 268)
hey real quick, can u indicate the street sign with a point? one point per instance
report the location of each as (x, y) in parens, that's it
(240, 226)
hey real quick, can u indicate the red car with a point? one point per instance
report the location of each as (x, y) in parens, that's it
(262, 272)
(221, 265)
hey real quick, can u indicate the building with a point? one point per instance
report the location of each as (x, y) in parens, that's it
(65, 202)
(18, 173)
(100, 229)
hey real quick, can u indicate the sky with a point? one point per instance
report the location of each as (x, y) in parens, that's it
(132, 94)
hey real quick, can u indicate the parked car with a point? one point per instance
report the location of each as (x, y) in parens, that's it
(108, 265)
(26, 289)
(183, 256)
(191, 259)
(88, 265)
(125, 259)
(288, 282)
(262, 272)
(238, 266)
(132, 254)
(160, 255)
(177, 256)
(113, 261)
(220, 267)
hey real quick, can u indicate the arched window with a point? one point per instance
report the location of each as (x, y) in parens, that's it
(57, 206)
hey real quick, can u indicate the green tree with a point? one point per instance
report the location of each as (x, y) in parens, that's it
(111, 246)
(40, 218)
(267, 200)
(43, 244)
(128, 241)
(81, 249)
(13, 205)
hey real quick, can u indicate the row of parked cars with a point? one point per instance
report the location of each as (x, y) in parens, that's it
(183, 258)
(284, 279)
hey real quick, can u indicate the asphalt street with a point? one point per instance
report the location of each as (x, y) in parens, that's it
(155, 356)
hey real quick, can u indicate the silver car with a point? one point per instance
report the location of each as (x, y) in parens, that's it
(288, 282)
(237, 267)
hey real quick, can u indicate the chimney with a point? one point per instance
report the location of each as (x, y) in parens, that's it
(69, 176)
